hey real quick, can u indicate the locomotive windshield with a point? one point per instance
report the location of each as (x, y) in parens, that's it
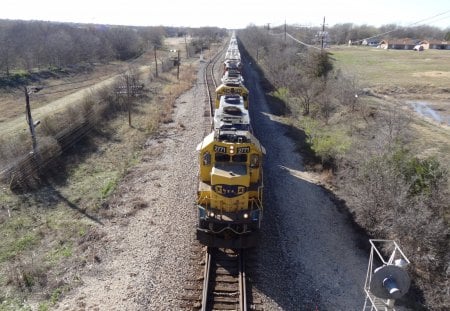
(222, 157)
(237, 158)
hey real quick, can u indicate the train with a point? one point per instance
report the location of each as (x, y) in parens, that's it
(230, 186)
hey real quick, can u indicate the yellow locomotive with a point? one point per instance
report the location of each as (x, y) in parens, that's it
(231, 89)
(230, 189)
(229, 200)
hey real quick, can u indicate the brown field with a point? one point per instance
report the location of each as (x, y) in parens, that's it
(60, 92)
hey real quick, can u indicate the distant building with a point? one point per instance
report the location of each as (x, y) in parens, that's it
(439, 45)
(413, 44)
(371, 42)
(399, 44)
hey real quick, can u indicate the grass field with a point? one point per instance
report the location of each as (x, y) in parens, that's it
(377, 67)
(400, 77)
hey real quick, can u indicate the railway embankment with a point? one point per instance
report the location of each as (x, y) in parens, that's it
(55, 233)
(385, 168)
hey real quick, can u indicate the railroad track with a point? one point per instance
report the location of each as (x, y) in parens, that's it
(219, 282)
(224, 282)
(211, 85)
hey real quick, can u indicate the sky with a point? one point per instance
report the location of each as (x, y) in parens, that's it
(231, 14)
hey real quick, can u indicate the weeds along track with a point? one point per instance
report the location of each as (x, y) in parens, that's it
(26, 169)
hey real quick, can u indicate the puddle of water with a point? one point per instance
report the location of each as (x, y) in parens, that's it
(423, 108)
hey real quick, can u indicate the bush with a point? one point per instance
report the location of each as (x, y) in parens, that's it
(328, 144)
(401, 197)
(423, 175)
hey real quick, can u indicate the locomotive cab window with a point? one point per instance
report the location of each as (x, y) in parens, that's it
(206, 158)
(222, 157)
(254, 161)
(239, 158)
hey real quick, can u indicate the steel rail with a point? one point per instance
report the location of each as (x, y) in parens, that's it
(242, 283)
(206, 278)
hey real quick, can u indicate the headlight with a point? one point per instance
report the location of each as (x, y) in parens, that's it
(245, 215)
(211, 214)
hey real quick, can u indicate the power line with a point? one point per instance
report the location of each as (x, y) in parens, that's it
(296, 40)
(425, 19)
(305, 44)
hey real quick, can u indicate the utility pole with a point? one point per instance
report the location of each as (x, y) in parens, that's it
(30, 119)
(323, 33)
(31, 124)
(156, 62)
(178, 65)
(284, 30)
(185, 43)
(127, 78)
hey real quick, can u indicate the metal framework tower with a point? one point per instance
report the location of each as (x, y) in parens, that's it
(386, 279)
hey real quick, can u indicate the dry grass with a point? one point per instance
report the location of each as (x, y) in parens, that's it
(62, 226)
(378, 196)
(432, 140)
(397, 76)
(175, 89)
(395, 68)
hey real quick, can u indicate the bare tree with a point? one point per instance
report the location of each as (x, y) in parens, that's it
(60, 49)
(124, 42)
(393, 127)
(7, 49)
(327, 103)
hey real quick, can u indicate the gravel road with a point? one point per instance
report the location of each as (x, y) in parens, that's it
(308, 257)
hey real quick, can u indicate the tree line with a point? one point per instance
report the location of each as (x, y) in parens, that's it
(31, 45)
(389, 190)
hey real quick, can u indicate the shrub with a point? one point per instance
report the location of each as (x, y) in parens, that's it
(402, 197)
(328, 144)
(423, 175)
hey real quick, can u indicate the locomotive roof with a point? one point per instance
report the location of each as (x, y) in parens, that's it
(215, 137)
(225, 86)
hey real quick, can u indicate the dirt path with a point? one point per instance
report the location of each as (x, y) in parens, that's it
(16, 124)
